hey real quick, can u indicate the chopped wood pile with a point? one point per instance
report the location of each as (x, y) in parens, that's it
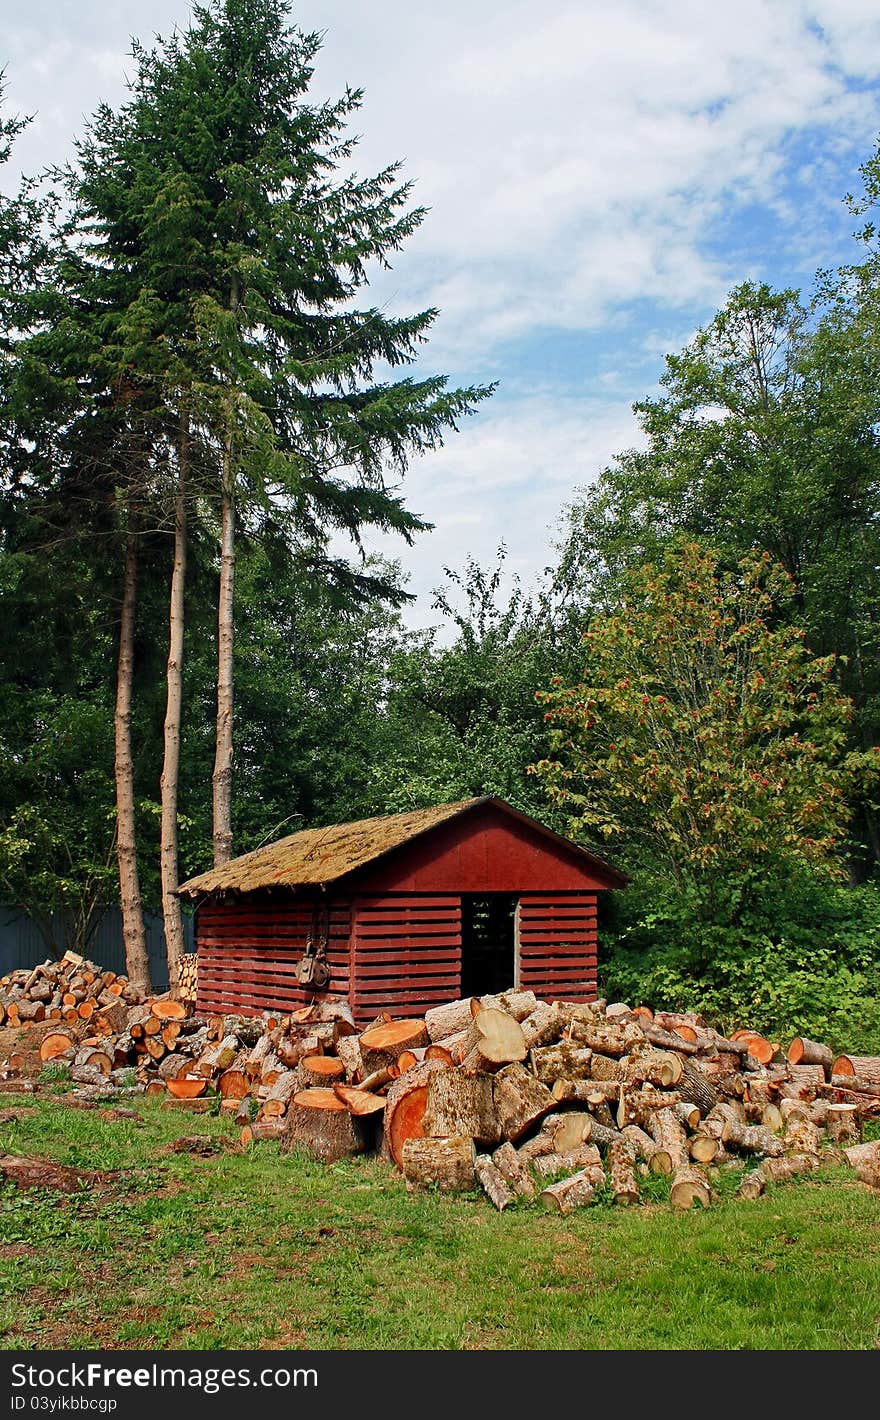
(562, 1103)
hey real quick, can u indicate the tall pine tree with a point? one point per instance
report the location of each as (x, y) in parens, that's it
(224, 199)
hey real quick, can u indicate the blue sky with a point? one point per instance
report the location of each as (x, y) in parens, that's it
(599, 176)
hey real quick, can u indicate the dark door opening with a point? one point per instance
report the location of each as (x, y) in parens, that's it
(488, 950)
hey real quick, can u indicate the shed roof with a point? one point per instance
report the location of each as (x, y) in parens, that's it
(320, 856)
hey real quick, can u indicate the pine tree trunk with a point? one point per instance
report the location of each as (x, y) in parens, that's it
(171, 764)
(222, 776)
(137, 962)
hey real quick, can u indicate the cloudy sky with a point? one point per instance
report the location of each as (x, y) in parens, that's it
(599, 175)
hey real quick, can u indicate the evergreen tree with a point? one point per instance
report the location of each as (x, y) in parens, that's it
(221, 199)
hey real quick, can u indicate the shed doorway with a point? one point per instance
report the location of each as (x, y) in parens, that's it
(488, 943)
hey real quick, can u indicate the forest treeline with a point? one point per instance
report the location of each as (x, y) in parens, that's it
(198, 406)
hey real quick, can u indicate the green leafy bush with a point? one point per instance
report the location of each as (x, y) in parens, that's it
(804, 961)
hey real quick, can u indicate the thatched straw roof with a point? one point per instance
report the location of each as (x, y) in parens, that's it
(318, 856)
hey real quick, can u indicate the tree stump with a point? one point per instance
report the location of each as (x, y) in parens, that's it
(320, 1123)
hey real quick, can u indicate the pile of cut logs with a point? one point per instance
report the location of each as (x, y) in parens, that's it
(526, 1099)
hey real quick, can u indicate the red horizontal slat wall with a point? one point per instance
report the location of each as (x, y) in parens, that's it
(248, 953)
(406, 953)
(557, 945)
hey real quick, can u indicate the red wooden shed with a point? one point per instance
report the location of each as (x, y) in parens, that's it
(406, 911)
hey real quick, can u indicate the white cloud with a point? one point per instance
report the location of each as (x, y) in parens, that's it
(575, 157)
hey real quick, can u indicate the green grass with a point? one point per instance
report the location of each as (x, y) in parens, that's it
(257, 1250)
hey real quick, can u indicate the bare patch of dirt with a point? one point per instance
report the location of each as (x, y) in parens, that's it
(42, 1173)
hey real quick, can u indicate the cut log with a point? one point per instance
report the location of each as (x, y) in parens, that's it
(233, 1084)
(667, 1133)
(498, 1040)
(695, 1088)
(568, 1193)
(321, 1070)
(866, 1067)
(563, 1061)
(858, 1155)
(173, 1065)
(638, 1106)
(322, 1125)
(349, 1052)
(606, 1037)
(791, 1166)
(260, 1130)
(519, 1101)
(668, 1040)
(445, 1164)
(603, 1067)
(443, 1021)
(382, 1044)
(688, 1115)
(513, 1170)
(460, 1103)
(586, 1159)
(492, 1182)
(186, 1088)
(518, 1004)
(438, 1052)
(405, 1108)
(658, 1159)
(752, 1184)
(652, 1067)
(359, 1101)
(842, 1123)
(167, 1009)
(802, 1136)
(809, 1052)
(621, 1159)
(589, 1092)
(54, 1045)
(545, 1024)
(568, 1131)
(689, 1187)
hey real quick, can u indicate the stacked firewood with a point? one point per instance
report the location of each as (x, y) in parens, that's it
(72, 990)
(523, 1098)
(569, 1102)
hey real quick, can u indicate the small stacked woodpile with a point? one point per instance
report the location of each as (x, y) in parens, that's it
(70, 990)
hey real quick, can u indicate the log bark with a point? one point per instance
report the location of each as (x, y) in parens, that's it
(802, 1137)
(653, 1067)
(695, 1088)
(689, 1187)
(446, 1164)
(790, 1166)
(513, 1170)
(858, 1155)
(866, 1067)
(544, 1026)
(607, 1038)
(667, 1133)
(842, 1123)
(461, 1103)
(519, 1101)
(449, 1019)
(638, 1106)
(752, 1184)
(657, 1158)
(518, 1004)
(568, 1194)
(492, 1182)
(321, 1124)
(621, 1172)
(563, 1061)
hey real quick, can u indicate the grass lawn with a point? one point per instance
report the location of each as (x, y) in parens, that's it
(256, 1250)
